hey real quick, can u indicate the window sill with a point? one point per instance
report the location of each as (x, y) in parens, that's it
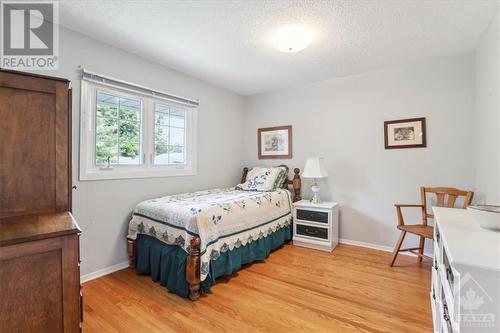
(129, 173)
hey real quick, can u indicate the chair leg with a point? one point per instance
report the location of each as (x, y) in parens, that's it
(397, 247)
(421, 248)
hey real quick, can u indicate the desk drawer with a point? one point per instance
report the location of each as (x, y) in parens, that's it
(310, 215)
(316, 232)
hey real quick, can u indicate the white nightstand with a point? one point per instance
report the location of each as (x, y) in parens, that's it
(316, 225)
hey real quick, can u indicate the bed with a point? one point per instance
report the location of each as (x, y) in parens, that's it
(187, 241)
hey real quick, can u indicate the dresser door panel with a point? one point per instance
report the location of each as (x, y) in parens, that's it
(32, 299)
(34, 145)
(27, 144)
(40, 286)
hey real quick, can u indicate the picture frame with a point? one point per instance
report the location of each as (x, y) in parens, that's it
(405, 133)
(275, 142)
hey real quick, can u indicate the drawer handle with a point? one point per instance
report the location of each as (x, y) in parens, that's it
(445, 312)
(313, 232)
(446, 318)
(449, 275)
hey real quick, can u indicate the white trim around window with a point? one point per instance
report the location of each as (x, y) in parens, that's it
(145, 167)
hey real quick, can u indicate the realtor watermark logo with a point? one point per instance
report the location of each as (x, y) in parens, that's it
(478, 310)
(30, 35)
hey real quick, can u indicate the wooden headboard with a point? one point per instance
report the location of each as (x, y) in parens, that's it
(295, 183)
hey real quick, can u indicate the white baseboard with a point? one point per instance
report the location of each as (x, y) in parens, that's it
(376, 247)
(104, 271)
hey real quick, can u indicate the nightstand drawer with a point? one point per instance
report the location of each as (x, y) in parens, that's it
(310, 215)
(316, 232)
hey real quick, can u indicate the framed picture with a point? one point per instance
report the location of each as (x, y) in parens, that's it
(275, 142)
(405, 133)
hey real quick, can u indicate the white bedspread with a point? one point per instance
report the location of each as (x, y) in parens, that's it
(222, 218)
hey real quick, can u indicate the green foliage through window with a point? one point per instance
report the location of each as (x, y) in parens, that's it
(170, 131)
(118, 130)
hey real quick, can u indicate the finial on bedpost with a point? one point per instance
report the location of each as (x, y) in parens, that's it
(296, 184)
(193, 269)
(244, 176)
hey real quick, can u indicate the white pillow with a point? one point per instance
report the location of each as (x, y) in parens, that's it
(263, 179)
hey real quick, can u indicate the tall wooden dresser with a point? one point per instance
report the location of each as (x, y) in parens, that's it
(39, 238)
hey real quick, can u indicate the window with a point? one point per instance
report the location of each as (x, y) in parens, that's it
(129, 134)
(170, 135)
(118, 130)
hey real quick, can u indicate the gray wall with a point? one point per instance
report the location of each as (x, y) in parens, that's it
(342, 121)
(103, 208)
(488, 116)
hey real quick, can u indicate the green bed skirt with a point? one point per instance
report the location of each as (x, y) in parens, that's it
(167, 263)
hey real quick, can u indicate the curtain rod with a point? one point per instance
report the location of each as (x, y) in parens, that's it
(110, 81)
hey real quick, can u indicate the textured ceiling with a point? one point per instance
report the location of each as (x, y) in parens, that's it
(228, 43)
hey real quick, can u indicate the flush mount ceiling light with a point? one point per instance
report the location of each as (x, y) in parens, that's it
(293, 38)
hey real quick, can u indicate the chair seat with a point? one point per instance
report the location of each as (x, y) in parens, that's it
(418, 229)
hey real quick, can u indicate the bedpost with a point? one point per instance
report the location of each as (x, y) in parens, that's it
(244, 176)
(193, 269)
(296, 184)
(132, 250)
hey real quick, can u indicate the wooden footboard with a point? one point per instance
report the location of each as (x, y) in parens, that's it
(193, 269)
(192, 265)
(132, 252)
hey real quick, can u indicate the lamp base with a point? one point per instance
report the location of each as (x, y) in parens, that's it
(315, 189)
(315, 199)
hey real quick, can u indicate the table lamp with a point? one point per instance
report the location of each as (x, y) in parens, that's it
(315, 168)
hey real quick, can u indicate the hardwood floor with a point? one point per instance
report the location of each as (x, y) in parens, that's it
(295, 290)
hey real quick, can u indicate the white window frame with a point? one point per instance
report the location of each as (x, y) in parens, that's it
(90, 171)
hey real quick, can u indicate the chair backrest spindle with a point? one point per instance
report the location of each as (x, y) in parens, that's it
(445, 197)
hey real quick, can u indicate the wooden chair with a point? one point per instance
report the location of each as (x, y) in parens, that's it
(445, 197)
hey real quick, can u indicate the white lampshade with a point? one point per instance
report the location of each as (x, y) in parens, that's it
(315, 168)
